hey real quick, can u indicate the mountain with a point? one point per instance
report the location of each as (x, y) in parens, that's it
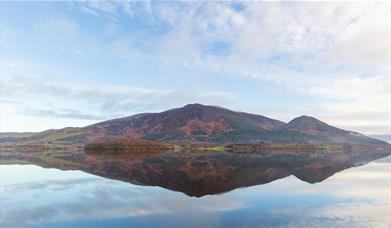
(202, 123)
(316, 131)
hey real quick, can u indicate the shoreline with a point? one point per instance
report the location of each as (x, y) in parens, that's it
(243, 148)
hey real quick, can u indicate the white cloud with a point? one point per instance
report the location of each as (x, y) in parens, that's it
(335, 52)
(327, 31)
(37, 96)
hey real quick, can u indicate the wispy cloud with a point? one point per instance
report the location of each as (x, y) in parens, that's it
(332, 52)
(47, 97)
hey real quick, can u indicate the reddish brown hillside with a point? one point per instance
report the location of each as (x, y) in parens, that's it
(202, 123)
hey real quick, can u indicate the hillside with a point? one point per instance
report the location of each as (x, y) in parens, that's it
(201, 123)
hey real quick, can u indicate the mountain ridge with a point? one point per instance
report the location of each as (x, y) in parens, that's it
(205, 124)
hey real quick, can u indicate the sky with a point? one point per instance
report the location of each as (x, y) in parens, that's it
(77, 63)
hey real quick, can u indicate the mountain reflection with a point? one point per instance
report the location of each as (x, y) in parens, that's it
(200, 174)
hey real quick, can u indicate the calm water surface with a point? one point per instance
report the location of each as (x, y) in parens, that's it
(358, 196)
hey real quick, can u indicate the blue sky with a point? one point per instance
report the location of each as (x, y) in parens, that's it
(77, 63)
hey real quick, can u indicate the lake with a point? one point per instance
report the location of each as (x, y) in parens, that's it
(195, 190)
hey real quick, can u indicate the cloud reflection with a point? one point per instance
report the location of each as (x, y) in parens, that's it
(353, 197)
(45, 202)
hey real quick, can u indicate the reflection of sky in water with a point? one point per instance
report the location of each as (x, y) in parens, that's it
(31, 195)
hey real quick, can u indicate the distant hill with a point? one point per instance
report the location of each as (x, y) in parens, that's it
(15, 134)
(202, 123)
(386, 138)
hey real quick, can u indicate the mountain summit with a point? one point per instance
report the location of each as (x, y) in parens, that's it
(193, 122)
(204, 123)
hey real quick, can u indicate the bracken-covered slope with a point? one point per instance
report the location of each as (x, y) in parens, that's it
(201, 123)
(316, 131)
